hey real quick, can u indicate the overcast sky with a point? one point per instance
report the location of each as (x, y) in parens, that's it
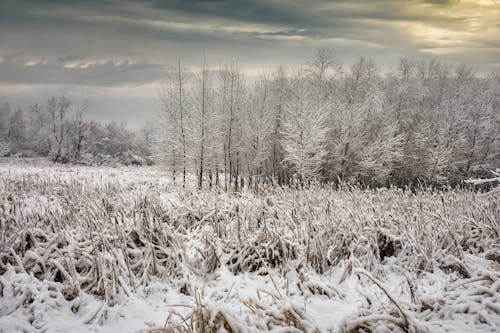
(116, 53)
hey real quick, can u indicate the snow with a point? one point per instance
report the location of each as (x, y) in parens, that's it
(327, 292)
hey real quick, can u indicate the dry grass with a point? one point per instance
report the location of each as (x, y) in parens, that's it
(110, 234)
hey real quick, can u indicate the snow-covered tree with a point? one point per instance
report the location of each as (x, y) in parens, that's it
(279, 95)
(422, 122)
(173, 131)
(203, 133)
(304, 132)
(5, 114)
(57, 109)
(16, 133)
(232, 96)
(258, 127)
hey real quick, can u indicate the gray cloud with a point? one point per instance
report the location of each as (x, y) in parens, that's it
(160, 31)
(19, 68)
(58, 45)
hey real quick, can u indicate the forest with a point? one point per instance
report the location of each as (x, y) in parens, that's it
(421, 122)
(58, 129)
(418, 122)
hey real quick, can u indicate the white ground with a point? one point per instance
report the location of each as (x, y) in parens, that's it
(444, 300)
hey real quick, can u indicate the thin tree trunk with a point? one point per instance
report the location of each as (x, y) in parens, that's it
(203, 123)
(181, 111)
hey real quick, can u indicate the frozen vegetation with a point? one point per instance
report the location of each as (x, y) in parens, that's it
(87, 249)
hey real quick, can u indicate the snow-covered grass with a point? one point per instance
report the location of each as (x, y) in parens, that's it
(126, 250)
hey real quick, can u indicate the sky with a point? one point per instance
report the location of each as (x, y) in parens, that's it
(116, 54)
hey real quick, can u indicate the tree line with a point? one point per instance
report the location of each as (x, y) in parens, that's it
(58, 130)
(420, 122)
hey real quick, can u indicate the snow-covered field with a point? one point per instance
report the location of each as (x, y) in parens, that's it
(86, 249)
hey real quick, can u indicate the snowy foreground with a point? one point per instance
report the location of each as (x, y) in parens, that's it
(125, 250)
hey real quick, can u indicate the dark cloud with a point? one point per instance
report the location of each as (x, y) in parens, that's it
(247, 11)
(440, 2)
(114, 43)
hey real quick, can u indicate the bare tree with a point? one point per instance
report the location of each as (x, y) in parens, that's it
(57, 108)
(201, 115)
(232, 96)
(79, 129)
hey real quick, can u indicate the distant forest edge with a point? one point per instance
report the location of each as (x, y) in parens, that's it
(59, 130)
(419, 122)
